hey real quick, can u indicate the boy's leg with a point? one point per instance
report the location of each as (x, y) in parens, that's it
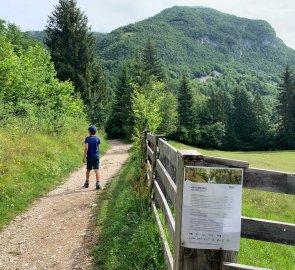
(89, 168)
(96, 168)
(87, 174)
(97, 175)
(97, 185)
(86, 184)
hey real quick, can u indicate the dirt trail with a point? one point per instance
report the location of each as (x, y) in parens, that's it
(52, 233)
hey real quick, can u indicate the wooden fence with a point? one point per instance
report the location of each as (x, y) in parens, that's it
(165, 173)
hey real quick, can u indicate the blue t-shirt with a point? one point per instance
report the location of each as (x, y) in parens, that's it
(93, 143)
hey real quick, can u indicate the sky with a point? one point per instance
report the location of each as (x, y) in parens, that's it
(107, 15)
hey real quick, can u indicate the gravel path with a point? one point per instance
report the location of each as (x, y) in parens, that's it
(53, 233)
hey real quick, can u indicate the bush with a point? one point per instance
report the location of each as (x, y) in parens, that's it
(213, 135)
(29, 92)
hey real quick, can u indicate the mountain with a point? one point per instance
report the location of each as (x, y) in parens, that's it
(36, 35)
(40, 36)
(199, 40)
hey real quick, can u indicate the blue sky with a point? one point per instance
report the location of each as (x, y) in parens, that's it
(106, 15)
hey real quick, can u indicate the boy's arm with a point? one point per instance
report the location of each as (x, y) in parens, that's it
(85, 152)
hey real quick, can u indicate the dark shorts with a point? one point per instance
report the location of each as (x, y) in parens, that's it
(92, 163)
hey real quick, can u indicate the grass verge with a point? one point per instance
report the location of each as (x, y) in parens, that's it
(128, 238)
(32, 164)
(266, 205)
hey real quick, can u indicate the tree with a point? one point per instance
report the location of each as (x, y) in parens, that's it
(120, 123)
(186, 110)
(168, 109)
(30, 94)
(188, 130)
(286, 129)
(150, 111)
(152, 63)
(263, 135)
(242, 124)
(219, 104)
(146, 105)
(213, 135)
(98, 96)
(136, 70)
(71, 45)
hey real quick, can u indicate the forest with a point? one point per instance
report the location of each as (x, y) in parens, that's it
(225, 88)
(125, 89)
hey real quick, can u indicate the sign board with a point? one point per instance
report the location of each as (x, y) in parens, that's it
(211, 213)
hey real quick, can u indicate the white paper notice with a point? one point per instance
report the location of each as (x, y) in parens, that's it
(212, 202)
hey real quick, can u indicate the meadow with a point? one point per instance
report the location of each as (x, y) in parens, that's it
(265, 205)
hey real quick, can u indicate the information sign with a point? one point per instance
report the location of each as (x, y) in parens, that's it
(211, 214)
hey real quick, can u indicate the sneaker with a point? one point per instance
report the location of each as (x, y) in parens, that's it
(97, 185)
(86, 184)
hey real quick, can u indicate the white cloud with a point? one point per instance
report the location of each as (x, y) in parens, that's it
(29, 14)
(106, 15)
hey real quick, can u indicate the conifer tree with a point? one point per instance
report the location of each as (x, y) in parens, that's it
(71, 45)
(120, 123)
(188, 119)
(152, 63)
(262, 133)
(137, 70)
(219, 104)
(98, 96)
(286, 110)
(186, 104)
(242, 126)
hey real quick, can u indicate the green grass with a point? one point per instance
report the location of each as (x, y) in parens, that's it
(32, 164)
(272, 160)
(266, 205)
(129, 238)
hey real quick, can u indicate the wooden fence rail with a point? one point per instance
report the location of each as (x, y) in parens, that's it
(165, 173)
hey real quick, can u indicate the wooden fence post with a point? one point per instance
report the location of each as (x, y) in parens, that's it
(154, 162)
(178, 251)
(186, 258)
(144, 144)
(156, 153)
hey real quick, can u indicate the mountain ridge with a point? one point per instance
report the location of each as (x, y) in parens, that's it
(195, 39)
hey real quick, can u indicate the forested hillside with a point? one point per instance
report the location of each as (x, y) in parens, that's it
(196, 40)
(41, 35)
(199, 40)
(224, 77)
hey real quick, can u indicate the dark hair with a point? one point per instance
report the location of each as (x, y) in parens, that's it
(92, 130)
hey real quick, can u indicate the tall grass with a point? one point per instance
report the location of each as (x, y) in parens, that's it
(129, 238)
(266, 205)
(33, 163)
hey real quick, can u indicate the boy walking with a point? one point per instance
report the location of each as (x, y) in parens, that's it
(91, 153)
